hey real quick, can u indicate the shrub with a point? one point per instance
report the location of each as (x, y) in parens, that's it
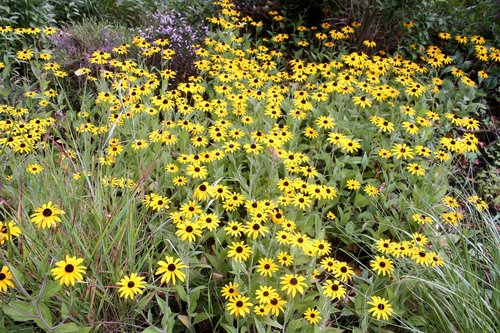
(182, 37)
(270, 191)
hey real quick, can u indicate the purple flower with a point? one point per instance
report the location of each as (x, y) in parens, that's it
(182, 36)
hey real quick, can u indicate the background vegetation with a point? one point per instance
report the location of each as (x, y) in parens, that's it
(104, 202)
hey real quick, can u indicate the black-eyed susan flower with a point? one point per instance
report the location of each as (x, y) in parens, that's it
(47, 216)
(69, 271)
(156, 201)
(421, 257)
(170, 270)
(381, 308)
(265, 294)
(285, 258)
(350, 146)
(421, 218)
(230, 290)
(234, 229)
(382, 265)
(416, 169)
(276, 305)
(312, 315)
(131, 285)
(293, 284)
(402, 151)
(266, 267)
(5, 279)
(342, 271)
(371, 190)
(189, 231)
(353, 184)
(239, 306)
(333, 289)
(190, 209)
(239, 251)
(436, 259)
(325, 122)
(8, 230)
(34, 169)
(331, 216)
(261, 310)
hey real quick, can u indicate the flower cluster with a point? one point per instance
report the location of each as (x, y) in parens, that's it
(300, 186)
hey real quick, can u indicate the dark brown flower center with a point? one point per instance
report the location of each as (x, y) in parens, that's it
(130, 284)
(47, 212)
(171, 267)
(69, 268)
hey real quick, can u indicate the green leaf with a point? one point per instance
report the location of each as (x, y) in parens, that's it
(152, 329)
(360, 200)
(18, 276)
(71, 328)
(181, 292)
(45, 313)
(349, 228)
(295, 325)
(162, 303)
(64, 311)
(20, 311)
(51, 288)
(202, 316)
(185, 320)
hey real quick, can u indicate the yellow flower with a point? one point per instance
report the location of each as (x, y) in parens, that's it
(382, 265)
(69, 271)
(239, 306)
(170, 270)
(293, 284)
(5, 279)
(8, 231)
(353, 184)
(47, 216)
(312, 316)
(371, 190)
(131, 285)
(416, 169)
(381, 308)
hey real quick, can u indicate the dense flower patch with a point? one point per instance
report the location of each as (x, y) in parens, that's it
(268, 189)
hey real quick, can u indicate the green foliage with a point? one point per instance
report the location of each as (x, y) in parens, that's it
(27, 13)
(336, 160)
